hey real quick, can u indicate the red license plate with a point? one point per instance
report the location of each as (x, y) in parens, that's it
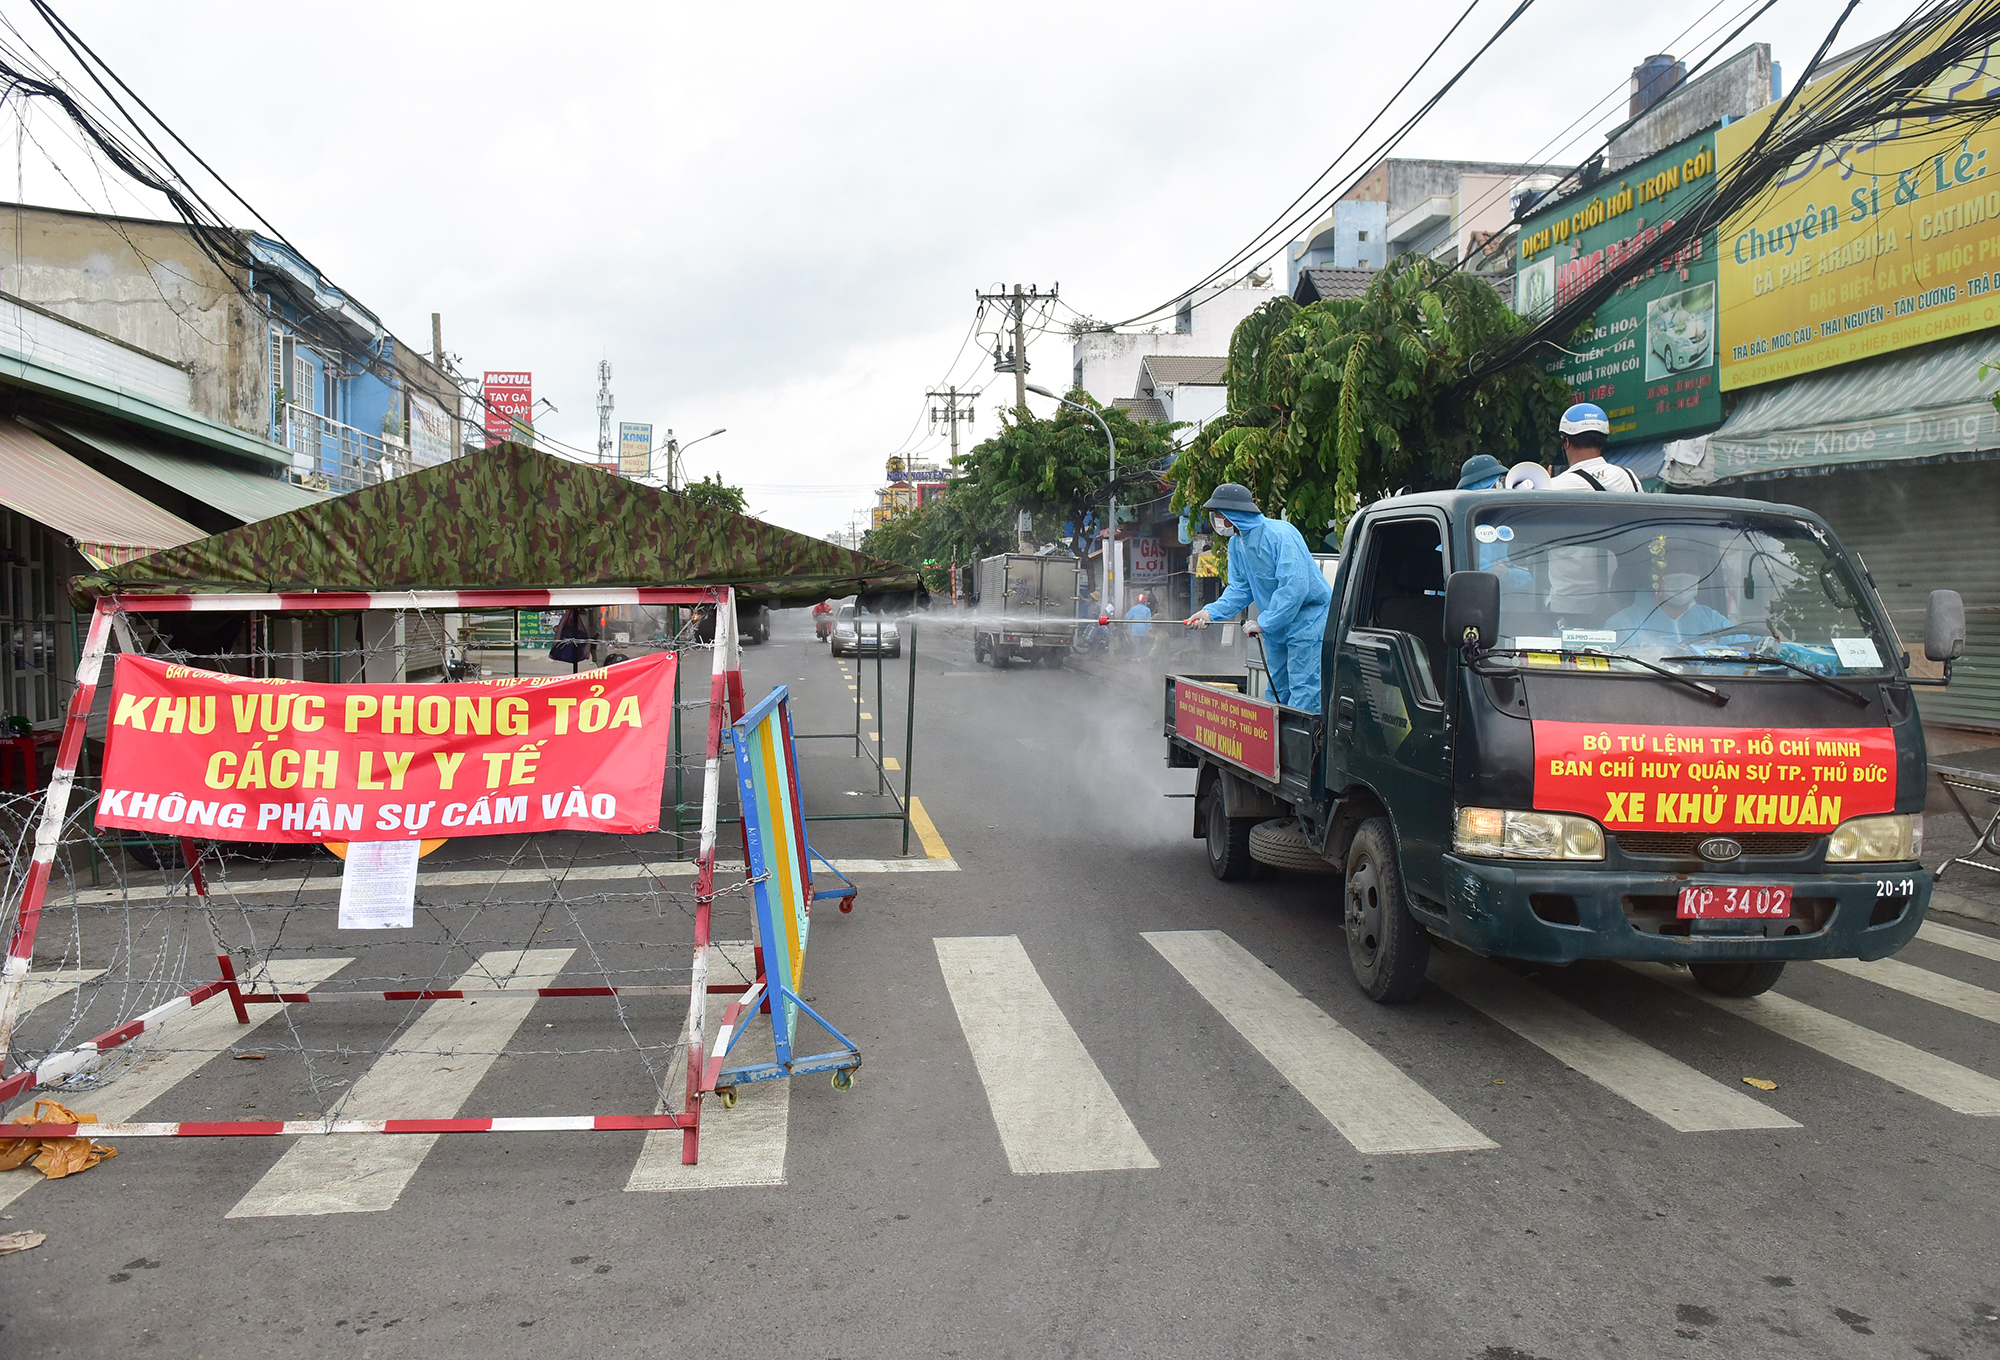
(1735, 902)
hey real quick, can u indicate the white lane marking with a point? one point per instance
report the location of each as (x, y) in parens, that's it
(1375, 1105)
(1054, 1109)
(486, 878)
(1965, 941)
(191, 1039)
(445, 1052)
(1900, 1064)
(1923, 984)
(739, 1147)
(1664, 1087)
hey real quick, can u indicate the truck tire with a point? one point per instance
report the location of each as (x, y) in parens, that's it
(1738, 977)
(1386, 948)
(1279, 844)
(1229, 843)
(978, 649)
(998, 655)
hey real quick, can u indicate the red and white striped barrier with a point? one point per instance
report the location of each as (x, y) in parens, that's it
(726, 704)
(265, 1128)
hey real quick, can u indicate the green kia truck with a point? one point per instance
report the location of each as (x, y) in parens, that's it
(1569, 725)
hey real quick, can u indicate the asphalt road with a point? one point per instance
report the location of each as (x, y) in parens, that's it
(1078, 993)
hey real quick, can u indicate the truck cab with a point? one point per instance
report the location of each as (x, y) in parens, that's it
(1559, 725)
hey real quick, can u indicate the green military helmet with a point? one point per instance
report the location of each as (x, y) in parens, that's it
(1233, 496)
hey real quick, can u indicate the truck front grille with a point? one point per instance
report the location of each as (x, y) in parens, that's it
(1682, 844)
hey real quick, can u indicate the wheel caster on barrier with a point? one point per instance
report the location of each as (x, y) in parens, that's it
(843, 1079)
(727, 1095)
(846, 905)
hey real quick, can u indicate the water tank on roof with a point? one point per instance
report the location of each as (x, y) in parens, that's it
(1653, 80)
(1528, 191)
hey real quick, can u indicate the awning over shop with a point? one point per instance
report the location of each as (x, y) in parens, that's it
(109, 523)
(246, 496)
(1641, 460)
(1920, 404)
(510, 517)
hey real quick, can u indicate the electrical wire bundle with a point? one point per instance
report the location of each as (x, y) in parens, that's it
(1893, 81)
(25, 74)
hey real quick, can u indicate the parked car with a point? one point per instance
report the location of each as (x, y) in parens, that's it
(854, 634)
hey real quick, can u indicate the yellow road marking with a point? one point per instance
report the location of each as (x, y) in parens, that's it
(874, 736)
(927, 833)
(868, 715)
(891, 763)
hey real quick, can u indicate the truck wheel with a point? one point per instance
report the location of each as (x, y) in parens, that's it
(1229, 843)
(998, 656)
(1386, 948)
(1738, 977)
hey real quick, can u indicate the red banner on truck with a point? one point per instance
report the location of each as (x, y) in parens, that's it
(1639, 777)
(1222, 722)
(228, 757)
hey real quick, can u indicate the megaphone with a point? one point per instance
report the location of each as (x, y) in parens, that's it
(1532, 476)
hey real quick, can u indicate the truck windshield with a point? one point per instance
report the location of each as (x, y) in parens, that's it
(1715, 592)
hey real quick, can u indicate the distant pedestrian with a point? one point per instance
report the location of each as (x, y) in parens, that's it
(1139, 619)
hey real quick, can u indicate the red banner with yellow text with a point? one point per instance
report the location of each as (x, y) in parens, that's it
(228, 757)
(1239, 730)
(1721, 779)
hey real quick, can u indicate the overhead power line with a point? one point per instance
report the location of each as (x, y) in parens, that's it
(1894, 80)
(1260, 247)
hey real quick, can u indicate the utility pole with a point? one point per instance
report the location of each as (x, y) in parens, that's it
(437, 341)
(950, 413)
(1017, 304)
(607, 452)
(673, 462)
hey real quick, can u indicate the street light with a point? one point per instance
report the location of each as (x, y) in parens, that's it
(674, 450)
(1114, 571)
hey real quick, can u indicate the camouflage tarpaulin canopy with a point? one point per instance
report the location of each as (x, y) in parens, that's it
(509, 517)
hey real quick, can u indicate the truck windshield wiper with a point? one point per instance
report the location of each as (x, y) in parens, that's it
(1741, 658)
(1708, 692)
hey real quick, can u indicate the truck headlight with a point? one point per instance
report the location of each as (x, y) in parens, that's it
(1508, 833)
(1898, 836)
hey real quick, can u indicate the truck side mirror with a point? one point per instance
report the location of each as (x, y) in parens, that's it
(1944, 626)
(1471, 608)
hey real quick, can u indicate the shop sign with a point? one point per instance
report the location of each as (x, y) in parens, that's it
(509, 399)
(635, 448)
(1649, 358)
(1865, 246)
(1149, 559)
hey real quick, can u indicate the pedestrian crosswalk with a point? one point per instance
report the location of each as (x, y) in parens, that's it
(1663, 1086)
(1049, 1107)
(1900, 1064)
(1052, 1106)
(329, 1175)
(1374, 1104)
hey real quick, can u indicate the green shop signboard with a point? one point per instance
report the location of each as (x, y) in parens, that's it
(1650, 357)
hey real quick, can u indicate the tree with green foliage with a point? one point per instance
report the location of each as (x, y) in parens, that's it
(1343, 401)
(1057, 470)
(713, 493)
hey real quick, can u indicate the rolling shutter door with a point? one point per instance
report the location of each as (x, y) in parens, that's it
(1921, 529)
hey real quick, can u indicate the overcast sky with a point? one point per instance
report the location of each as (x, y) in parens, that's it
(774, 218)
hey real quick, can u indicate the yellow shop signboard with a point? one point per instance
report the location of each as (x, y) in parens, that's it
(1865, 246)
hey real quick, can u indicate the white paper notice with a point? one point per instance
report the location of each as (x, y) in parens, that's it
(379, 889)
(1857, 654)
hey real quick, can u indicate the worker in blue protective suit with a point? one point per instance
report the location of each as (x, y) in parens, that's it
(1270, 565)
